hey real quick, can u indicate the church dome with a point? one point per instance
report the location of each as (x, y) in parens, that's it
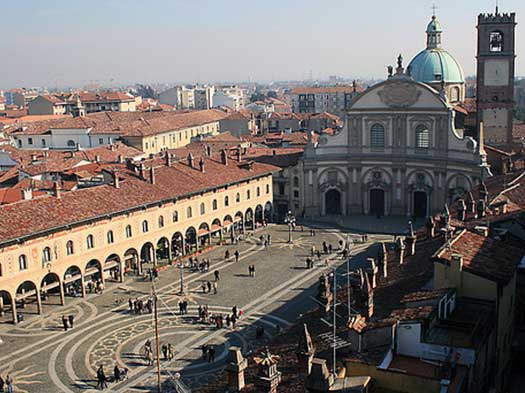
(435, 64)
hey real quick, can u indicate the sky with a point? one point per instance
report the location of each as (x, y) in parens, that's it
(62, 43)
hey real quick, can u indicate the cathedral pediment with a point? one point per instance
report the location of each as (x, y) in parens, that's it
(399, 94)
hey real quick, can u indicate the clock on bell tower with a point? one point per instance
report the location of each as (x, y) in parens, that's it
(495, 76)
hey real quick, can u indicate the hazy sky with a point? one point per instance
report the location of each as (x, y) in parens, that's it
(73, 42)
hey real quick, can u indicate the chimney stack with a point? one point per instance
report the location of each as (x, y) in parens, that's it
(239, 153)
(190, 160)
(456, 260)
(208, 150)
(235, 366)
(56, 190)
(400, 250)
(152, 174)
(383, 258)
(431, 227)
(201, 165)
(168, 159)
(120, 159)
(97, 159)
(33, 157)
(471, 205)
(27, 194)
(78, 146)
(480, 208)
(462, 210)
(411, 240)
(269, 377)
(142, 169)
(116, 180)
(224, 157)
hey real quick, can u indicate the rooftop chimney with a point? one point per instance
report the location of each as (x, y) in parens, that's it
(224, 157)
(27, 194)
(152, 174)
(431, 227)
(116, 180)
(33, 157)
(239, 153)
(411, 240)
(78, 146)
(235, 366)
(208, 150)
(400, 250)
(168, 159)
(462, 210)
(201, 165)
(120, 159)
(457, 260)
(142, 170)
(190, 160)
(56, 190)
(97, 159)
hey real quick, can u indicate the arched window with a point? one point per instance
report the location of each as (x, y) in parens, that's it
(22, 262)
(258, 191)
(129, 233)
(175, 216)
(454, 94)
(237, 197)
(296, 181)
(248, 195)
(145, 226)
(496, 41)
(46, 255)
(90, 241)
(422, 137)
(70, 249)
(189, 212)
(267, 188)
(161, 221)
(377, 135)
(214, 204)
(203, 208)
(71, 143)
(226, 201)
(111, 238)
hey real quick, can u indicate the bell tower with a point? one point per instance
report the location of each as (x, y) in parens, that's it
(495, 76)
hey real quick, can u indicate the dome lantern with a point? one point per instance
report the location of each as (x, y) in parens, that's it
(434, 33)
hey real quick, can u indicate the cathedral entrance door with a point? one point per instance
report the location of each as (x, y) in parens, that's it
(377, 202)
(333, 202)
(420, 204)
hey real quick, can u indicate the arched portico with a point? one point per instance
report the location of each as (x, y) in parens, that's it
(191, 240)
(332, 202)
(27, 299)
(147, 254)
(238, 223)
(259, 215)
(73, 282)
(177, 245)
(163, 250)
(268, 211)
(7, 306)
(204, 234)
(93, 274)
(131, 262)
(113, 268)
(50, 288)
(249, 219)
(216, 230)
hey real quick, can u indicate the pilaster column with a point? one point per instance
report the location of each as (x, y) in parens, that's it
(82, 285)
(39, 301)
(62, 296)
(13, 309)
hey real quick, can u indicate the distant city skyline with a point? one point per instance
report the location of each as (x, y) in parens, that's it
(61, 43)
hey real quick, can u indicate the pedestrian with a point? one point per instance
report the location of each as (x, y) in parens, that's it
(217, 275)
(165, 351)
(185, 307)
(208, 286)
(71, 319)
(130, 302)
(325, 248)
(150, 358)
(2, 383)
(204, 349)
(233, 320)
(312, 250)
(318, 254)
(170, 352)
(181, 308)
(329, 248)
(101, 378)
(234, 310)
(214, 287)
(211, 354)
(253, 270)
(228, 320)
(65, 322)
(265, 243)
(203, 287)
(9, 382)
(227, 254)
(236, 255)
(116, 373)
(308, 260)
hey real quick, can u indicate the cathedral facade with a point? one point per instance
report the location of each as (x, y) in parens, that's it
(400, 152)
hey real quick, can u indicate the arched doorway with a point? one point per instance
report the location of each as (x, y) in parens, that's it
(112, 268)
(332, 200)
(248, 219)
(147, 255)
(268, 211)
(73, 282)
(191, 240)
(93, 275)
(377, 202)
(238, 223)
(6, 307)
(163, 250)
(216, 230)
(204, 234)
(177, 245)
(259, 216)
(52, 290)
(27, 299)
(420, 201)
(131, 261)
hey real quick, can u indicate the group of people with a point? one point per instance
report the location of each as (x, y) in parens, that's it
(67, 322)
(6, 385)
(167, 351)
(251, 270)
(201, 266)
(183, 307)
(138, 306)
(208, 352)
(265, 241)
(118, 375)
(97, 286)
(219, 320)
(236, 254)
(207, 286)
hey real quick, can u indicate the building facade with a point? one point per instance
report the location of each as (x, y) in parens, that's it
(334, 100)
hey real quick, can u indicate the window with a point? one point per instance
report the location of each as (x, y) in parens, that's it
(422, 137)
(226, 201)
(43, 142)
(377, 136)
(214, 204)
(267, 188)
(258, 191)
(296, 181)
(296, 194)
(46, 255)
(175, 216)
(129, 233)
(29, 141)
(145, 226)
(100, 141)
(90, 242)
(203, 208)
(188, 212)
(22, 262)
(454, 94)
(237, 197)
(20, 143)
(496, 41)
(161, 222)
(71, 143)
(248, 194)
(70, 250)
(111, 238)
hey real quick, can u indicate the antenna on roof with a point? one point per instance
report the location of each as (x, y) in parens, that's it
(434, 8)
(497, 7)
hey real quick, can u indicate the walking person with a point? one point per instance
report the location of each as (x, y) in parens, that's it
(116, 373)
(215, 287)
(170, 352)
(211, 354)
(2, 383)
(65, 322)
(9, 383)
(234, 310)
(269, 237)
(208, 286)
(130, 302)
(227, 254)
(71, 319)
(101, 378)
(217, 275)
(233, 320)
(236, 255)
(204, 349)
(165, 351)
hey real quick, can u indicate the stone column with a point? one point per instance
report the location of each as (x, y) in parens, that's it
(121, 272)
(235, 366)
(39, 300)
(82, 285)
(13, 309)
(62, 296)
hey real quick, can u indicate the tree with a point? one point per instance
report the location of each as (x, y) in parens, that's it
(272, 94)
(257, 96)
(146, 91)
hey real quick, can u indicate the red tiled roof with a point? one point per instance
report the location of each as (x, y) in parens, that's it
(518, 130)
(492, 259)
(470, 105)
(27, 218)
(53, 99)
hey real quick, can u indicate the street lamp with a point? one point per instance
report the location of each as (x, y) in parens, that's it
(181, 267)
(290, 220)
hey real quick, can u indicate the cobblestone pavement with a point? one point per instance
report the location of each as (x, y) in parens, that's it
(41, 357)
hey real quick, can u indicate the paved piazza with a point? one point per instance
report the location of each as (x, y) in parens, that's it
(43, 358)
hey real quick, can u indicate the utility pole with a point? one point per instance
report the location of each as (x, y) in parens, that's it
(157, 341)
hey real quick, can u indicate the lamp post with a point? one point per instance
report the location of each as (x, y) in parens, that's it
(290, 220)
(181, 267)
